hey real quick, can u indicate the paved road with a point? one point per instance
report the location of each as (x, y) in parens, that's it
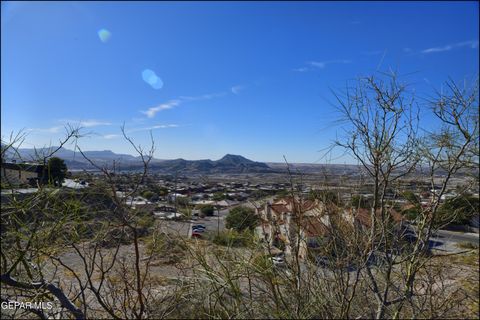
(445, 240)
(457, 236)
(212, 224)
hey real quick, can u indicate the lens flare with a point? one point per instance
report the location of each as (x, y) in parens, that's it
(104, 35)
(152, 79)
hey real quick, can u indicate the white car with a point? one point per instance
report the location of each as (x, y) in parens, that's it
(278, 261)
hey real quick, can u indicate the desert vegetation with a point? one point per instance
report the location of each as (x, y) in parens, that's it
(94, 256)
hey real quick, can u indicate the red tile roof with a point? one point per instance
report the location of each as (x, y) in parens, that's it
(279, 208)
(314, 227)
(363, 216)
(289, 204)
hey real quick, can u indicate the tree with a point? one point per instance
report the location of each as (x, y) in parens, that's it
(282, 194)
(150, 195)
(183, 201)
(411, 213)
(207, 210)
(463, 208)
(56, 171)
(411, 197)
(258, 194)
(382, 121)
(359, 201)
(218, 196)
(327, 196)
(241, 218)
(381, 126)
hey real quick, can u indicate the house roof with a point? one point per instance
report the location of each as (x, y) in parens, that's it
(290, 204)
(314, 227)
(363, 216)
(279, 208)
(30, 167)
(226, 203)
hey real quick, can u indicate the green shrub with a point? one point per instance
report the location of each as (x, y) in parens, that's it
(150, 196)
(411, 213)
(170, 249)
(411, 197)
(326, 196)
(241, 218)
(359, 201)
(145, 220)
(232, 238)
(218, 196)
(458, 210)
(207, 210)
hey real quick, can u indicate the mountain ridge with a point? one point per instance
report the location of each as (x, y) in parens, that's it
(229, 163)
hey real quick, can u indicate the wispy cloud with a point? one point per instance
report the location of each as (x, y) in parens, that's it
(320, 65)
(151, 112)
(237, 89)
(203, 96)
(55, 129)
(66, 122)
(473, 44)
(159, 126)
(94, 123)
(111, 136)
(323, 64)
(86, 123)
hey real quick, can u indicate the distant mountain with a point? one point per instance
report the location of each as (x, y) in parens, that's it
(235, 160)
(228, 164)
(75, 161)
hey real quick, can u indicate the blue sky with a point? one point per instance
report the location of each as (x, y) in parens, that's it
(245, 78)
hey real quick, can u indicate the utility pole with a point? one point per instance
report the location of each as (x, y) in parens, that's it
(218, 220)
(218, 215)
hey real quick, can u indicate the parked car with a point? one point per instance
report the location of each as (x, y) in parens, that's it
(199, 230)
(196, 234)
(278, 261)
(198, 226)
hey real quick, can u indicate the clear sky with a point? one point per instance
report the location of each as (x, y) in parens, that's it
(212, 78)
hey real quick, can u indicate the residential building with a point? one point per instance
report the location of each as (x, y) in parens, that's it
(292, 225)
(21, 173)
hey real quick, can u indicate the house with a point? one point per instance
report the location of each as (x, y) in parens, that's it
(226, 203)
(135, 201)
(165, 209)
(398, 228)
(292, 224)
(21, 173)
(362, 218)
(172, 197)
(198, 196)
(138, 201)
(203, 202)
